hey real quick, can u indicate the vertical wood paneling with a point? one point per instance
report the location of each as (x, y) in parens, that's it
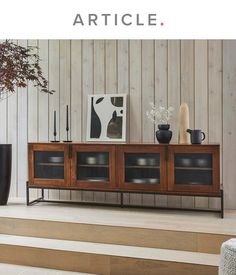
(174, 85)
(22, 135)
(111, 66)
(99, 87)
(135, 91)
(147, 88)
(215, 100)
(87, 88)
(164, 72)
(43, 98)
(161, 76)
(148, 95)
(161, 90)
(187, 91)
(12, 137)
(76, 98)
(32, 103)
(174, 66)
(229, 125)
(65, 78)
(187, 77)
(111, 86)
(123, 85)
(201, 87)
(201, 98)
(135, 102)
(54, 101)
(76, 90)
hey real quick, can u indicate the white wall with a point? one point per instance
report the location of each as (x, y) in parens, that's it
(201, 73)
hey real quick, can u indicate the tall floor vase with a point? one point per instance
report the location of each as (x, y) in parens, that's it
(5, 172)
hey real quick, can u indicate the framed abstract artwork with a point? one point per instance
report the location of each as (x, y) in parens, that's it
(106, 118)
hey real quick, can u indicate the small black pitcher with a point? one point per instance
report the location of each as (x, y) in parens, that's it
(196, 136)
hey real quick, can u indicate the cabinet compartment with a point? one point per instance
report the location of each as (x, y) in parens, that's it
(193, 169)
(142, 168)
(49, 165)
(93, 167)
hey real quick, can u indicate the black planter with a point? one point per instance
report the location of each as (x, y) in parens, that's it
(5, 172)
(164, 135)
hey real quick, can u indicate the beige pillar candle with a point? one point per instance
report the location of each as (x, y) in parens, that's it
(184, 137)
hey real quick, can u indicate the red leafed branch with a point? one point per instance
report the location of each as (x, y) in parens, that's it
(18, 66)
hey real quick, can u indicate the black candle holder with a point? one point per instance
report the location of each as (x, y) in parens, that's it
(67, 136)
(67, 125)
(55, 137)
(55, 130)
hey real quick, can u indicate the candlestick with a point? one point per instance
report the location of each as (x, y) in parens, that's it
(67, 125)
(55, 128)
(55, 124)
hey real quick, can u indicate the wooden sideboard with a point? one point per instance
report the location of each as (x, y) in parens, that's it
(140, 168)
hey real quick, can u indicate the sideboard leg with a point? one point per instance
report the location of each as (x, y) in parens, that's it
(222, 203)
(121, 200)
(42, 193)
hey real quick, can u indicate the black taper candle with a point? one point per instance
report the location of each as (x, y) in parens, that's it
(55, 127)
(67, 125)
(67, 118)
(55, 124)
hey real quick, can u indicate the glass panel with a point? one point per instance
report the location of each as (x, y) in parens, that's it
(193, 168)
(142, 168)
(49, 164)
(93, 166)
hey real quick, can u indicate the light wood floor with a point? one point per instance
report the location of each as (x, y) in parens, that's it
(10, 269)
(204, 222)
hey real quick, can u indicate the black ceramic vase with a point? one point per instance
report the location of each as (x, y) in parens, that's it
(164, 135)
(5, 172)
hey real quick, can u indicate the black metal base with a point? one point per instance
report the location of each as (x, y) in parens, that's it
(55, 141)
(121, 204)
(67, 140)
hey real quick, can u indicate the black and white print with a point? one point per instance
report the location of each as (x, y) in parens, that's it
(106, 120)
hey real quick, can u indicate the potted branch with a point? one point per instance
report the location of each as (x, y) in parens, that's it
(160, 115)
(18, 66)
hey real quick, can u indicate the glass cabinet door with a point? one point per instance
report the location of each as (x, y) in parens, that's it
(49, 165)
(142, 169)
(193, 169)
(93, 166)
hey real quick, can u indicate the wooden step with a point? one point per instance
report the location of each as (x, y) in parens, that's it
(123, 235)
(196, 232)
(101, 258)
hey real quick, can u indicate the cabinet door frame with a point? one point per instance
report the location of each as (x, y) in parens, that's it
(101, 185)
(63, 183)
(214, 188)
(160, 149)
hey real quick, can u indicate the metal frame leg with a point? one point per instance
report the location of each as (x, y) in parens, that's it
(28, 202)
(121, 200)
(27, 193)
(222, 203)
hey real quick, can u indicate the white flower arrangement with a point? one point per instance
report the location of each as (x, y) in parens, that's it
(159, 114)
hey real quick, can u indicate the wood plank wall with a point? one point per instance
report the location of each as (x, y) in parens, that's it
(201, 73)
